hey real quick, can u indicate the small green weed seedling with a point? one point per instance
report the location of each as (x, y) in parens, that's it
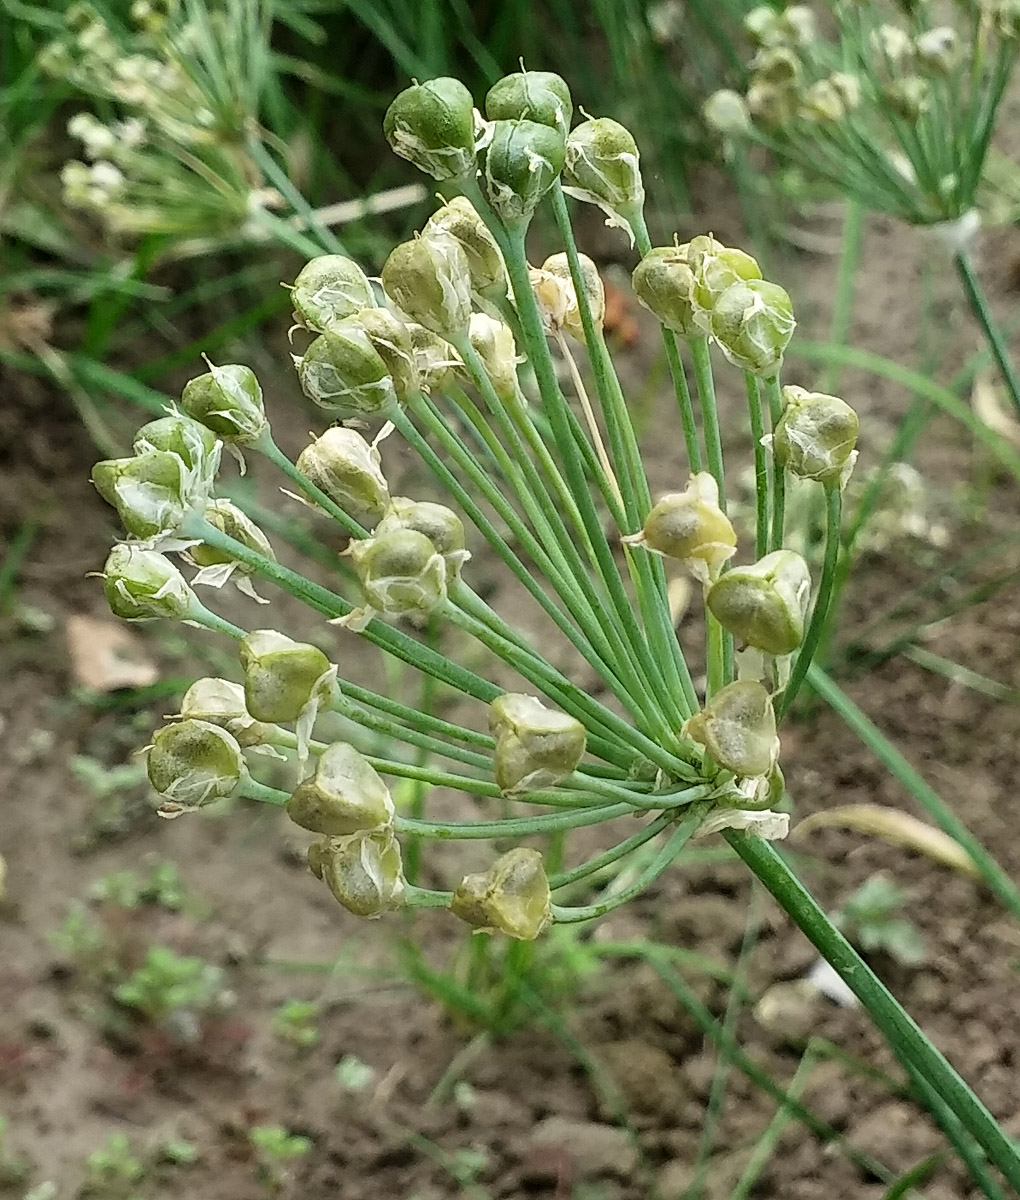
(275, 1150)
(873, 920)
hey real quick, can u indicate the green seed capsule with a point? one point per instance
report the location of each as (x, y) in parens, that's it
(441, 525)
(193, 443)
(459, 220)
(392, 341)
(511, 897)
(753, 324)
(738, 728)
(816, 436)
(227, 400)
(229, 519)
(194, 763)
(559, 301)
(432, 125)
(220, 702)
(141, 585)
(690, 526)
(344, 795)
(401, 573)
(521, 163)
(149, 491)
(364, 871)
(771, 105)
(429, 279)
(765, 604)
(664, 283)
(280, 675)
(777, 65)
(533, 96)
(536, 746)
(715, 268)
(494, 344)
(343, 372)
(328, 289)
(602, 167)
(344, 466)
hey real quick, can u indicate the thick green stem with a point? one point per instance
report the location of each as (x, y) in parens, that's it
(762, 477)
(775, 398)
(906, 1040)
(979, 306)
(816, 626)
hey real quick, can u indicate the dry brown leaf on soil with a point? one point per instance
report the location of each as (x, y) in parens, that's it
(989, 407)
(895, 827)
(106, 656)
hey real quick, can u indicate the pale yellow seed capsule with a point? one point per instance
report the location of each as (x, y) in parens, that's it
(690, 526)
(511, 897)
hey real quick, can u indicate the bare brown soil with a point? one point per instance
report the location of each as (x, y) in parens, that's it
(545, 1117)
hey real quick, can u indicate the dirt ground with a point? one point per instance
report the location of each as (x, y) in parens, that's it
(532, 1114)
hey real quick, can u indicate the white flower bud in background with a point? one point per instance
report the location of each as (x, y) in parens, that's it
(141, 585)
(908, 97)
(194, 763)
(691, 527)
(432, 125)
(738, 728)
(778, 65)
(536, 746)
(343, 795)
(521, 162)
(771, 105)
(892, 45)
(402, 574)
(753, 323)
(511, 897)
(533, 96)
(429, 279)
(726, 112)
(553, 286)
(364, 872)
(664, 283)
(98, 140)
(441, 525)
(281, 676)
(765, 604)
(603, 167)
(848, 88)
(494, 344)
(792, 26)
(227, 400)
(459, 220)
(344, 466)
(823, 101)
(328, 289)
(816, 436)
(343, 372)
(938, 49)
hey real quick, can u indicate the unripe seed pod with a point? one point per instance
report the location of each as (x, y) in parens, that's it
(765, 604)
(227, 400)
(777, 65)
(364, 871)
(848, 88)
(909, 96)
(536, 746)
(148, 491)
(823, 101)
(441, 525)
(343, 372)
(229, 519)
(193, 763)
(892, 45)
(664, 283)
(726, 112)
(494, 344)
(560, 302)
(690, 526)
(329, 288)
(771, 105)
(738, 728)
(344, 466)
(459, 220)
(521, 162)
(191, 442)
(401, 573)
(435, 358)
(429, 279)
(432, 125)
(533, 96)
(816, 436)
(141, 585)
(343, 795)
(220, 702)
(511, 897)
(753, 323)
(716, 267)
(392, 341)
(793, 26)
(280, 675)
(603, 167)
